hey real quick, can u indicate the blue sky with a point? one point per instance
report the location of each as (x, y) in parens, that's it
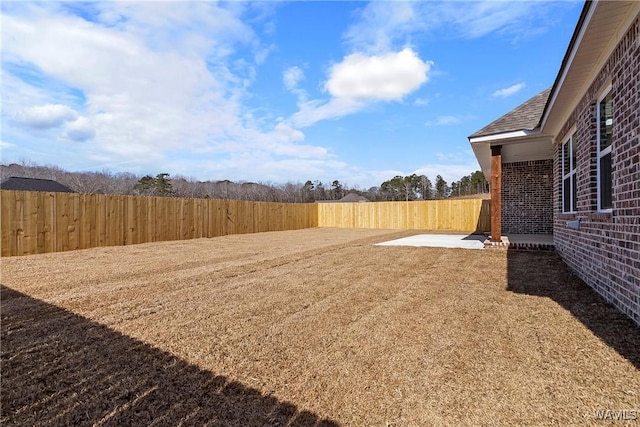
(270, 91)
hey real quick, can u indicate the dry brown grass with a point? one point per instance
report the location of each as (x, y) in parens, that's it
(308, 327)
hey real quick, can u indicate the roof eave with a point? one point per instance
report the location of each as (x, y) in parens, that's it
(578, 34)
(573, 79)
(498, 137)
(481, 145)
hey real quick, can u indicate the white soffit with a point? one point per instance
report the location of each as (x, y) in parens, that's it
(604, 26)
(532, 147)
(483, 155)
(527, 151)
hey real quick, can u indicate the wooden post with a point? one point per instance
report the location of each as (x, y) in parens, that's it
(496, 193)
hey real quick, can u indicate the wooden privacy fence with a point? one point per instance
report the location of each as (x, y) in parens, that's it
(463, 215)
(40, 222)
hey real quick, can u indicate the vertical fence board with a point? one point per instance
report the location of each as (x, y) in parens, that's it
(84, 224)
(199, 214)
(7, 223)
(130, 219)
(50, 222)
(110, 223)
(211, 218)
(220, 217)
(31, 224)
(18, 202)
(40, 221)
(101, 220)
(72, 227)
(61, 224)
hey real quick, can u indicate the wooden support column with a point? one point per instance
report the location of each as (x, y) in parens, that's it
(496, 193)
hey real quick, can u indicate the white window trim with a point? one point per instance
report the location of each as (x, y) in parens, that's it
(600, 154)
(571, 175)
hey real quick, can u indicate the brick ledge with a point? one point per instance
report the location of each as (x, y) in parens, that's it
(505, 244)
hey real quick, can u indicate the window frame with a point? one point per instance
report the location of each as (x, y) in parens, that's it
(602, 153)
(569, 175)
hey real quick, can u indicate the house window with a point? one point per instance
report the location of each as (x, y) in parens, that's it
(605, 133)
(569, 190)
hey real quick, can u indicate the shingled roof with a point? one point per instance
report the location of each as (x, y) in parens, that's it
(526, 116)
(34, 184)
(349, 198)
(353, 198)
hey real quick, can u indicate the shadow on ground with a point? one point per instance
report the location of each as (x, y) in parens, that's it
(545, 274)
(480, 237)
(59, 368)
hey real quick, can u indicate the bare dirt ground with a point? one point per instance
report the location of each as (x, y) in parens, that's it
(309, 327)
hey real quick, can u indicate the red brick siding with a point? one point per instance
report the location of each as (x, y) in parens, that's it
(527, 189)
(605, 250)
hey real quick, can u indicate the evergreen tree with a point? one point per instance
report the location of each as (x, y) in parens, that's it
(337, 192)
(163, 185)
(146, 185)
(158, 186)
(442, 189)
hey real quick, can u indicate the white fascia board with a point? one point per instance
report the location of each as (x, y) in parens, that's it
(501, 136)
(572, 55)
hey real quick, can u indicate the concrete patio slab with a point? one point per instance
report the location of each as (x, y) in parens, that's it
(472, 241)
(476, 241)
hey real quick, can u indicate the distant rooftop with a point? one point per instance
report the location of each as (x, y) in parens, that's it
(349, 198)
(353, 197)
(34, 184)
(526, 116)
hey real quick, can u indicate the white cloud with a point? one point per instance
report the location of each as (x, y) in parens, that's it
(444, 120)
(261, 167)
(451, 166)
(382, 24)
(385, 25)
(387, 77)
(80, 130)
(46, 116)
(508, 91)
(154, 79)
(120, 75)
(289, 133)
(448, 120)
(291, 77)
(6, 145)
(360, 80)
(448, 170)
(311, 112)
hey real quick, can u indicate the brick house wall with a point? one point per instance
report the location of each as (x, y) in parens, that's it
(527, 191)
(605, 250)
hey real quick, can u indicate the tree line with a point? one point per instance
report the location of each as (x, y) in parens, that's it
(398, 188)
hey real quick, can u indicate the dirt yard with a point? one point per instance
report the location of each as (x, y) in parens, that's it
(310, 327)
